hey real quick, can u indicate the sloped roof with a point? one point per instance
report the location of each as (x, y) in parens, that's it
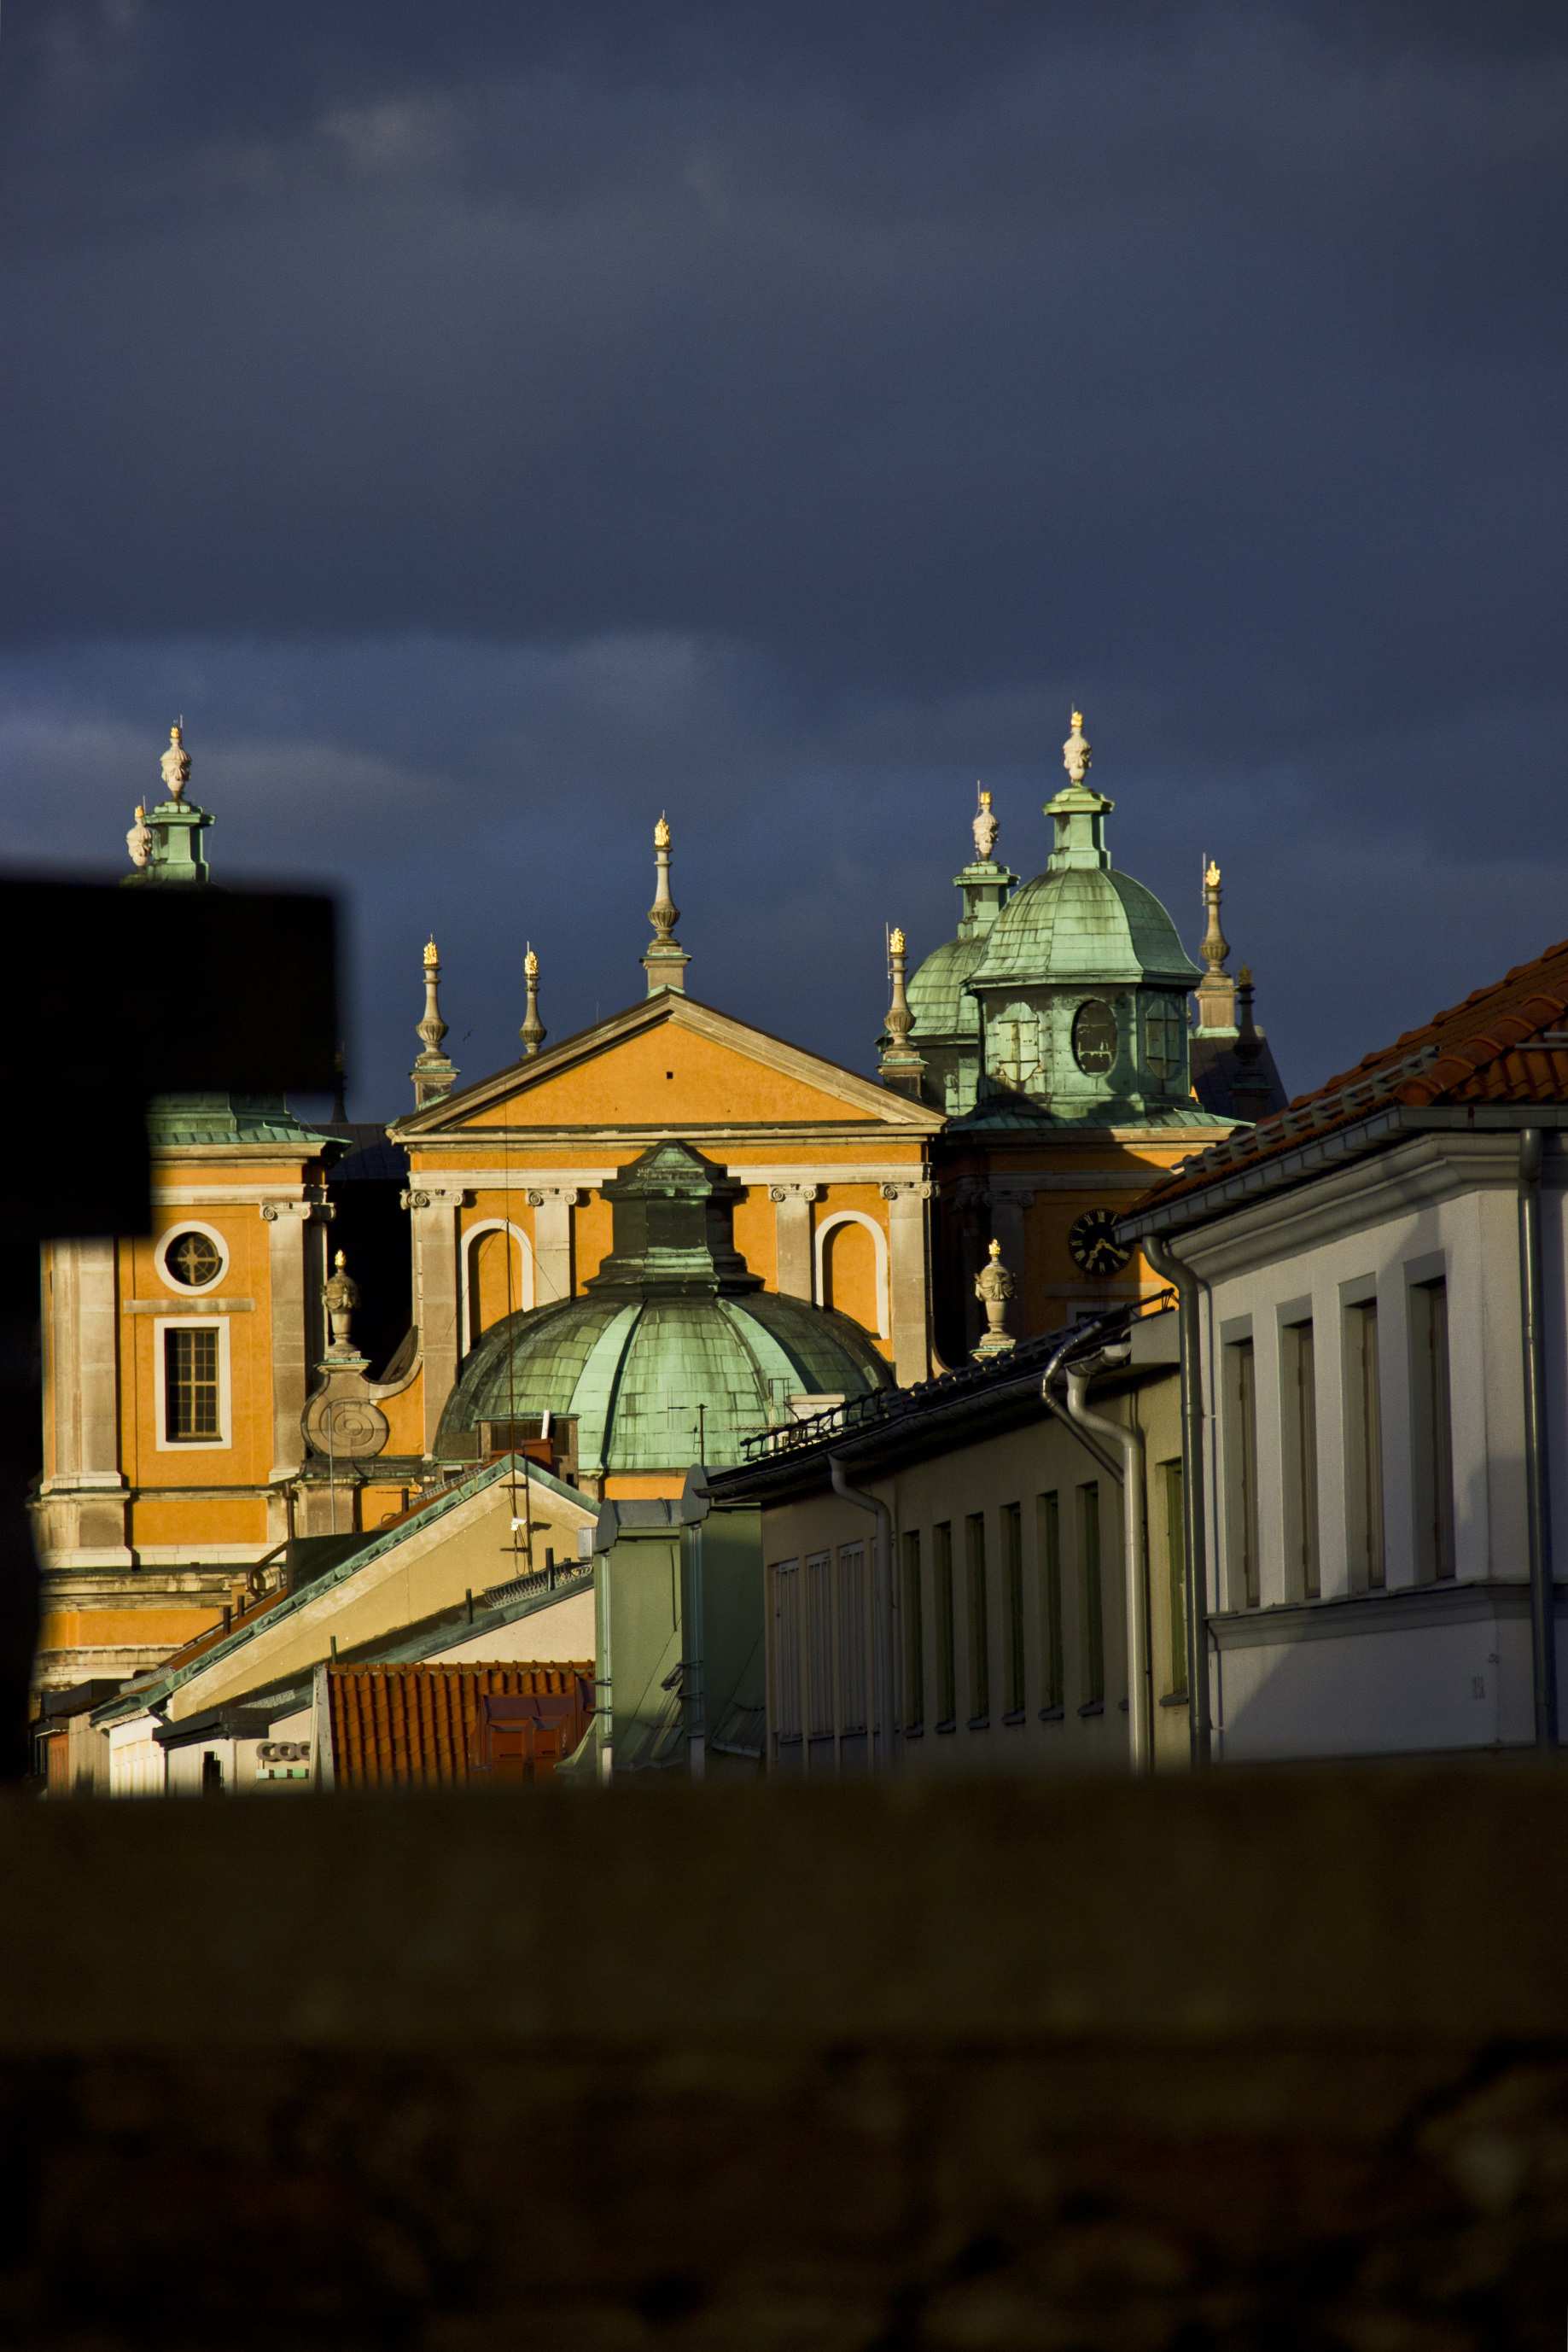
(1505, 1044)
(396, 1724)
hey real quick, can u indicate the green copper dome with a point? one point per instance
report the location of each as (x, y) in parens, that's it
(1085, 923)
(671, 1322)
(936, 997)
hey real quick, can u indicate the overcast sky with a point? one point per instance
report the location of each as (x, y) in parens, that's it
(491, 424)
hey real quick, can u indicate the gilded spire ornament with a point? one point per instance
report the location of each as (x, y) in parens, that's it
(1076, 752)
(664, 959)
(533, 1031)
(433, 1073)
(1215, 990)
(985, 827)
(901, 1066)
(175, 765)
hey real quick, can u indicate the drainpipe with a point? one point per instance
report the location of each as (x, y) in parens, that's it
(883, 1671)
(1542, 1590)
(1129, 1441)
(1189, 1287)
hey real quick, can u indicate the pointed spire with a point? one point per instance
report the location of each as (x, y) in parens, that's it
(1251, 1093)
(433, 1073)
(901, 1067)
(533, 1031)
(664, 960)
(994, 1288)
(1216, 992)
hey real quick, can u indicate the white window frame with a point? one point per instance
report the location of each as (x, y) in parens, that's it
(162, 1326)
(879, 1242)
(166, 1241)
(471, 1236)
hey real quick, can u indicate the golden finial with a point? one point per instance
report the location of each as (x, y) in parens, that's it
(176, 734)
(896, 942)
(984, 795)
(530, 965)
(140, 813)
(661, 834)
(996, 1248)
(341, 1261)
(1212, 876)
(432, 953)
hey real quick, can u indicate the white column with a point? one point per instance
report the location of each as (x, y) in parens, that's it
(909, 1296)
(84, 1367)
(434, 1209)
(554, 1275)
(792, 1236)
(288, 1248)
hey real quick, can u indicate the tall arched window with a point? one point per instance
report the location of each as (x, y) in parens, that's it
(497, 1276)
(852, 1268)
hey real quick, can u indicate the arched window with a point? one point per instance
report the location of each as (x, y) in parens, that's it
(852, 1268)
(497, 1276)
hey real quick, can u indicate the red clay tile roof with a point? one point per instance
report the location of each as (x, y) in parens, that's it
(396, 1724)
(1470, 1053)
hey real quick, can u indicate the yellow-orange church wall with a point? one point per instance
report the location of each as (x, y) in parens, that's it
(126, 1629)
(405, 1417)
(242, 1297)
(668, 1076)
(643, 1485)
(191, 1521)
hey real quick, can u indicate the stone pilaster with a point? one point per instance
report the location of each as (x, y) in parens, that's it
(908, 1277)
(793, 1241)
(293, 1249)
(434, 1209)
(84, 1372)
(554, 1271)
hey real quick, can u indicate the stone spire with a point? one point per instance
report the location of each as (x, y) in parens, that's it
(664, 960)
(1078, 811)
(1251, 1092)
(533, 1031)
(165, 842)
(901, 1067)
(433, 1073)
(994, 1288)
(1216, 992)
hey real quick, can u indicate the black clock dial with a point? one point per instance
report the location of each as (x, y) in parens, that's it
(1093, 1244)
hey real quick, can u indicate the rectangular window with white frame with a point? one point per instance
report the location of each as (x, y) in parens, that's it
(914, 1636)
(979, 1621)
(1239, 1430)
(192, 1395)
(1299, 1434)
(942, 1611)
(785, 1578)
(1364, 1448)
(855, 1646)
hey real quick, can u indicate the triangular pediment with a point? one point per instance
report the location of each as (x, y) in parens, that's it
(669, 1064)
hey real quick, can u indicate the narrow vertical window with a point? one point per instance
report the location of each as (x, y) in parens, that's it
(1364, 1448)
(786, 1650)
(1094, 1599)
(1241, 1474)
(1172, 1499)
(914, 1638)
(979, 1618)
(1012, 1572)
(1298, 1378)
(1432, 1430)
(942, 1601)
(191, 1383)
(1048, 1544)
(820, 1644)
(853, 1648)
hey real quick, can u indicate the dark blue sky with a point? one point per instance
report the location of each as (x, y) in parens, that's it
(491, 425)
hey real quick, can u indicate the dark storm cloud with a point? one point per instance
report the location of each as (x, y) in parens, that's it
(468, 413)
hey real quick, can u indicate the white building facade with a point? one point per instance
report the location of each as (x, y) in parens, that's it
(1374, 1291)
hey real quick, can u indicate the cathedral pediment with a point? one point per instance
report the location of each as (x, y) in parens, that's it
(669, 1064)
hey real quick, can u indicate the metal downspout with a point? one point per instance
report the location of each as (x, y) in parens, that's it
(884, 1670)
(1129, 1440)
(1189, 1288)
(1543, 1589)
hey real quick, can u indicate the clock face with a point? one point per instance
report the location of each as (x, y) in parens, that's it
(1095, 1037)
(1093, 1244)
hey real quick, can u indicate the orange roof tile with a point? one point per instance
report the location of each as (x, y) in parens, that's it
(1469, 1054)
(396, 1724)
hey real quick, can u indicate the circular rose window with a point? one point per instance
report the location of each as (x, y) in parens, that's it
(1094, 1037)
(192, 1259)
